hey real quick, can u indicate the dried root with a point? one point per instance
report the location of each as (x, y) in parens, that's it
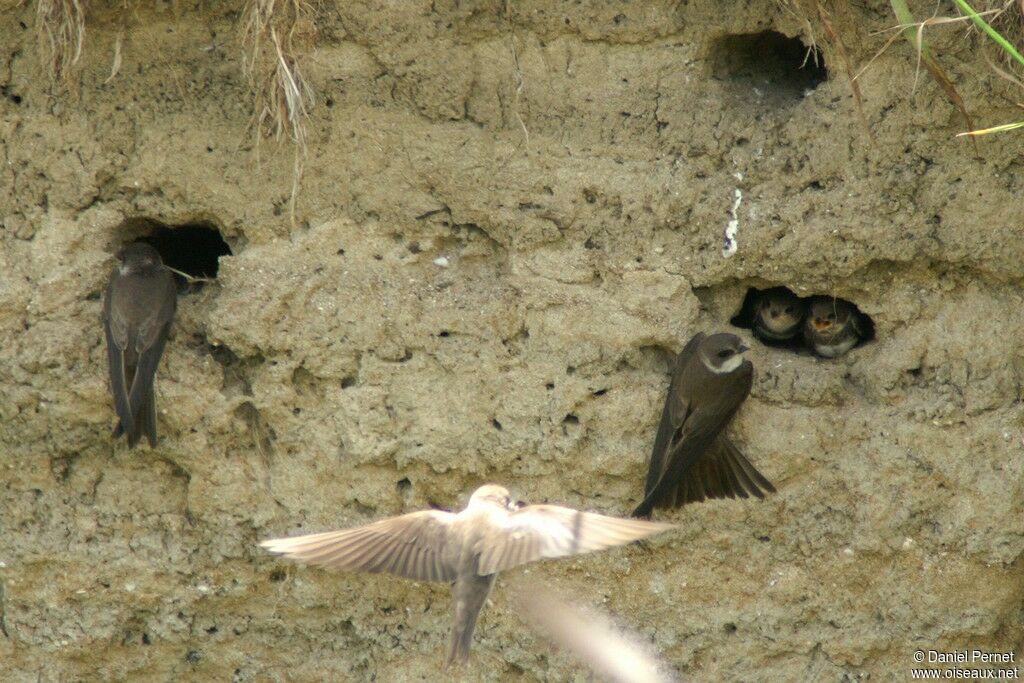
(275, 34)
(61, 28)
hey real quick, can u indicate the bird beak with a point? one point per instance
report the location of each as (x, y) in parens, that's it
(744, 348)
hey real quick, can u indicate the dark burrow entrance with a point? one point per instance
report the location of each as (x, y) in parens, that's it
(821, 324)
(194, 248)
(767, 64)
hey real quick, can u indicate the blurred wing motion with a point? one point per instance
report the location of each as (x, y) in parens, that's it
(537, 532)
(611, 652)
(411, 546)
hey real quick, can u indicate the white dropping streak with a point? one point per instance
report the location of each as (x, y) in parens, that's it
(733, 226)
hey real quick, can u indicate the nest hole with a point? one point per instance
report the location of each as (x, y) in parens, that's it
(767, 65)
(760, 304)
(193, 248)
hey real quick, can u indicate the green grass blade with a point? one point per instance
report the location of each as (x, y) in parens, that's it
(993, 129)
(906, 18)
(984, 26)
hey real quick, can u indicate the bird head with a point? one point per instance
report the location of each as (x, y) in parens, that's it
(492, 494)
(829, 316)
(722, 353)
(138, 256)
(780, 310)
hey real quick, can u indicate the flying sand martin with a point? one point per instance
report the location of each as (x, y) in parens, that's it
(692, 459)
(468, 548)
(832, 327)
(137, 313)
(778, 316)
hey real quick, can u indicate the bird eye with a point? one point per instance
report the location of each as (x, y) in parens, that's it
(789, 309)
(725, 353)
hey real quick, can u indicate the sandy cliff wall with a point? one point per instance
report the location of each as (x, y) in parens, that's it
(575, 164)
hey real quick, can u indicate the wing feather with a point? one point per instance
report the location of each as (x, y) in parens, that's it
(118, 383)
(753, 479)
(145, 372)
(726, 485)
(673, 413)
(117, 340)
(538, 532)
(411, 546)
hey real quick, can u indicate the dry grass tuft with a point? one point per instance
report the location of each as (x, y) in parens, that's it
(275, 33)
(1004, 13)
(274, 36)
(1007, 17)
(61, 28)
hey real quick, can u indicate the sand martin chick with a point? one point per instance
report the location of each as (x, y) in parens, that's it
(692, 459)
(832, 327)
(468, 548)
(137, 313)
(778, 316)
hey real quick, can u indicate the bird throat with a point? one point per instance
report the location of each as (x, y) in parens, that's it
(725, 368)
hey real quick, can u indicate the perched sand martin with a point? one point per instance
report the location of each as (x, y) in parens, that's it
(832, 327)
(692, 459)
(137, 313)
(778, 316)
(468, 548)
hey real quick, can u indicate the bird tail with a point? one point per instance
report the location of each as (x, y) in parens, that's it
(743, 474)
(138, 424)
(468, 597)
(146, 419)
(723, 472)
(143, 422)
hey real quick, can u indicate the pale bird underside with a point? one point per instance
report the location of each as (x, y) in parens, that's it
(468, 548)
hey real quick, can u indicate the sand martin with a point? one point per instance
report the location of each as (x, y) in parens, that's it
(778, 316)
(832, 327)
(468, 548)
(137, 313)
(692, 459)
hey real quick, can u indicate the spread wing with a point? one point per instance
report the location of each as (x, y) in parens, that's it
(538, 532)
(672, 415)
(411, 546)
